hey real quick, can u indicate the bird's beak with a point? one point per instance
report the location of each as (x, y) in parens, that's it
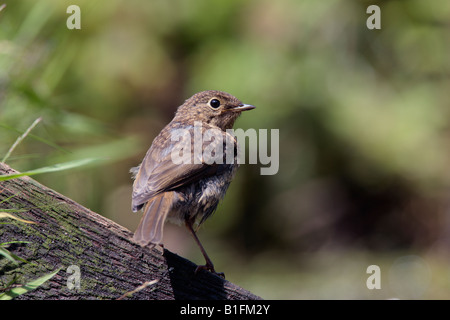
(242, 107)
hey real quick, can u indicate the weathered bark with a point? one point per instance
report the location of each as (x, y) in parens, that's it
(67, 234)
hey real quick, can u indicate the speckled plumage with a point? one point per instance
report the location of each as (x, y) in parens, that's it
(188, 192)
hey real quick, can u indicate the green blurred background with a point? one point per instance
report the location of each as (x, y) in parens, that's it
(363, 117)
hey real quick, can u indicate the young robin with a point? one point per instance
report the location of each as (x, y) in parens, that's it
(188, 191)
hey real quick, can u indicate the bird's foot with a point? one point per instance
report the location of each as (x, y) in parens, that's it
(209, 267)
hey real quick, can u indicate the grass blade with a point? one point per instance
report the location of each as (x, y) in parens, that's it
(37, 138)
(11, 294)
(20, 138)
(10, 256)
(56, 167)
(9, 215)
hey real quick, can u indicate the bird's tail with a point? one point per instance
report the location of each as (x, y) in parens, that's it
(150, 229)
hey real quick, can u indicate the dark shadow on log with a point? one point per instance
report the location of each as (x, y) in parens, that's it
(186, 283)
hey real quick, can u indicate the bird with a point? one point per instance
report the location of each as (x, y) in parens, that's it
(188, 192)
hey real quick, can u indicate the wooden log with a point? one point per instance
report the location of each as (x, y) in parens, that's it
(68, 236)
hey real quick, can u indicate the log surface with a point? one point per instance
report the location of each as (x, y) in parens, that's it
(68, 236)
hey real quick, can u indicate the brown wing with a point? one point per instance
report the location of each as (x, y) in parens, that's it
(159, 173)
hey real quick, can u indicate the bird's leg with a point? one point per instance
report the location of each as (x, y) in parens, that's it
(209, 265)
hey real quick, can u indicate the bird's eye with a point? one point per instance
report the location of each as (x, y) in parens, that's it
(214, 103)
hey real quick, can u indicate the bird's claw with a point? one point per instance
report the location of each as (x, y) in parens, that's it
(210, 268)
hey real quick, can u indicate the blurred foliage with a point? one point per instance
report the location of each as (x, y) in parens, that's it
(363, 118)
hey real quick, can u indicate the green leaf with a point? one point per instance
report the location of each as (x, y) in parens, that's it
(11, 294)
(56, 167)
